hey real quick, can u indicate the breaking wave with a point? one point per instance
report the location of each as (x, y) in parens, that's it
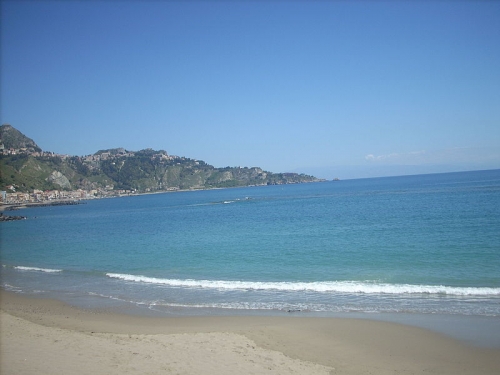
(37, 269)
(350, 287)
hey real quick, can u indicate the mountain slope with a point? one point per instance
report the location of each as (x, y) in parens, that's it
(10, 137)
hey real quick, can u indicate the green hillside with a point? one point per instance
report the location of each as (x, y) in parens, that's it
(119, 169)
(10, 137)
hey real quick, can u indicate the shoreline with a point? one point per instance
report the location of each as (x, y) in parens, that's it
(65, 201)
(58, 202)
(34, 329)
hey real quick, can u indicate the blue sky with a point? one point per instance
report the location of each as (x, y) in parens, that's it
(333, 88)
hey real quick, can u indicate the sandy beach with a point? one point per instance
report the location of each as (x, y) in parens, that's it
(42, 336)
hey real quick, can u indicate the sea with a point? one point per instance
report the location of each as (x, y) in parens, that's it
(387, 248)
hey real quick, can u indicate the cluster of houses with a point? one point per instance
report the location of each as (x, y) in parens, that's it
(39, 196)
(42, 196)
(28, 151)
(90, 159)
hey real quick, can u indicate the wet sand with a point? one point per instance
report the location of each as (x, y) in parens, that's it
(43, 336)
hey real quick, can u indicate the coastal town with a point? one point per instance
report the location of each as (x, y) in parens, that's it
(48, 196)
(10, 198)
(31, 176)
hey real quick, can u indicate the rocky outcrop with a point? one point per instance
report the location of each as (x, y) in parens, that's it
(11, 218)
(226, 176)
(58, 178)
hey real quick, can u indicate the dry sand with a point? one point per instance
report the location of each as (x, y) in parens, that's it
(41, 336)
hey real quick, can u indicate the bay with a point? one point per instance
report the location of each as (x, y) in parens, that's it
(413, 244)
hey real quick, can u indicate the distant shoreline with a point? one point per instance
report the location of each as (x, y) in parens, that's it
(68, 202)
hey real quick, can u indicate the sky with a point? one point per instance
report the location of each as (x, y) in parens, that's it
(346, 89)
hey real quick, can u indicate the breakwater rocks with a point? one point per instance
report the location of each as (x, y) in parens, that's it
(54, 203)
(11, 218)
(14, 207)
(42, 204)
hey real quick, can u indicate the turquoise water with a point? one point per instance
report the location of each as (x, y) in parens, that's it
(414, 244)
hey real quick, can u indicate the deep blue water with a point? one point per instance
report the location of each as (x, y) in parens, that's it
(418, 244)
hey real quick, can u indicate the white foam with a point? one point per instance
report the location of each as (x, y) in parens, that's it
(48, 270)
(349, 287)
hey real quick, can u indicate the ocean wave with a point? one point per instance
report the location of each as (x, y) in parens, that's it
(37, 269)
(350, 287)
